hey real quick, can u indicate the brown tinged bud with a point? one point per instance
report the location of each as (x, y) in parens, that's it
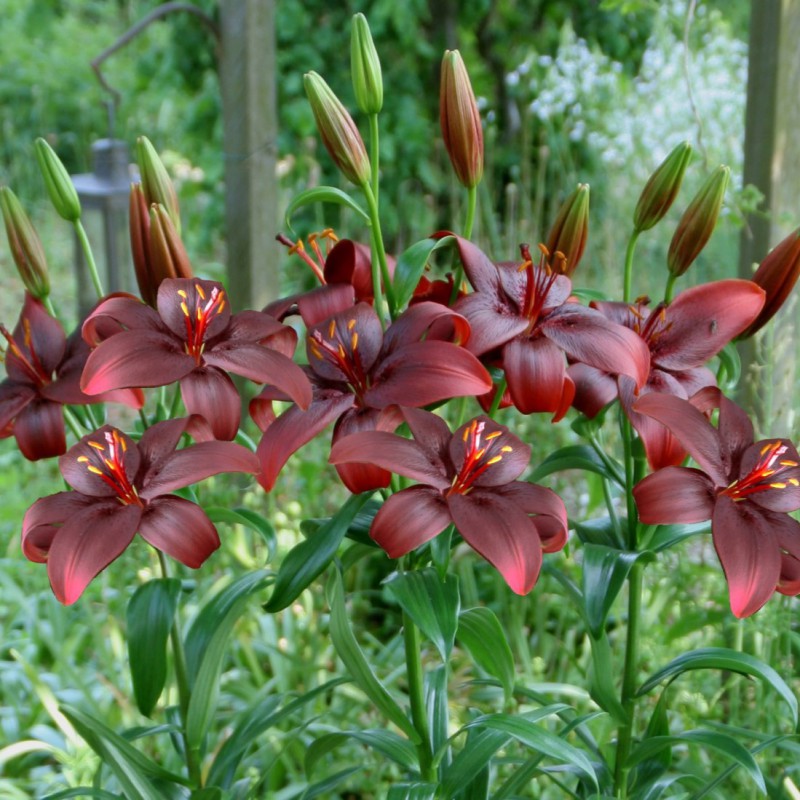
(365, 67)
(698, 222)
(662, 188)
(156, 182)
(63, 194)
(460, 120)
(570, 231)
(338, 131)
(26, 247)
(776, 275)
(139, 222)
(168, 258)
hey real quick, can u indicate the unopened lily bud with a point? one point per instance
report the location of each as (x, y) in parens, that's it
(698, 222)
(570, 231)
(460, 120)
(338, 131)
(168, 256)
(59, 185)
(365, 67)
(776, 275)
(662, 188)
(26, 248)
(156, 182)
(139, 222)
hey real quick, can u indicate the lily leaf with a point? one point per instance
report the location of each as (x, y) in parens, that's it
(480, 632)
(411, 265)
(323, 194)
(578, 456)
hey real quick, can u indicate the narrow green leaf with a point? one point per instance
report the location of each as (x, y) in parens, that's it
(82, 791)
(726, 745)
(601, 679)
(601, 530)
(525, 730)
(133, 770)
(723, 658)
(257, 719)
(347, 648)
(323, 194)
(388, 743)
(471, 759)
(412, 791)
(604, 572)
(208, 793)
(205, 691)
(732, 363)
(307, 560)
(480, 632)
(410, 266)
(578, 456)
(665, 536)
(151, 611)
(432, 603)
(247, 518)
(323, 788)
(214, 612)
(436, 701)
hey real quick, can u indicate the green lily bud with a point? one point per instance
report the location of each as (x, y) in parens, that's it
(570, 231)
(338, 131)
(59, 185)
(168, 258)
(776, 275)
(365, 67)
(662, 188)
(26, 247)
(460, 120)
(156, 182)
(698, 222)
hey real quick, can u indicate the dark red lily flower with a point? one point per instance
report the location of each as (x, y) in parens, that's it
(520, 316)
(360, 375)
(467, 478)
(193, 338)
(744, 488)
(681, 338)
(44, 370)
(122, 487)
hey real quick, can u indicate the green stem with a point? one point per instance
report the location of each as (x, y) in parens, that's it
(498, 398)
(472, 203)
(670, 289)
(72, 422)
(377, 241)
(87, 252)
(182, 681)
(416, 690)
(626, 293)
(48, 304)
(374, 154)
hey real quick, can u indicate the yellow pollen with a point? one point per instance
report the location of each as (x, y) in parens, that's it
(493, 434)
(109, 463)
(316, 351)
(298, 247)
(331, 329)
(778, 485)
(351, 324)
(524, 265)
(96, 445)
(794, 481)
(354, 341)
(506, 449)
(765, 448)
(221, 305)
(82, 459)
(465, 435)
(199, 289)
(543, 250)
(788, 463)
(182, 293)
(95, 470)
(122, 443)
(342, 353)
(494, 460)
(185, 309)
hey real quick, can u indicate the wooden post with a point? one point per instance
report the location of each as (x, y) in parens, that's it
(247, 76)
(771, 164)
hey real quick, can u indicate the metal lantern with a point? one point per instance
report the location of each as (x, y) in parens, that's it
(104, 198)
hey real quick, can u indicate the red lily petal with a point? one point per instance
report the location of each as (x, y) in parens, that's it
(429, 321)
(13, 398)
(422, 373)
(703, 319)
(393, 453)
(39, 430)
(783, 493)
(735, 428)
(43, 521)
(587, 336)
(87, 543)
(502, 533)
(262, 365)
(674, 495)
(408, 519)
(535, 370)
(84, 464)
(551, 514)
(256, 327)
(483, 441)
(482, 273)
(690, 426)
(492, 322)
(748, 550)
(788, 533)
(117, 313)
(210, 392)
(195, 463)
(135, 358)
(179, 528)
(294, 428)
(192, 294)
(324, 302)
(363, 477)
(45, 339)
(431, 433)
(159, 441)
(594, 389)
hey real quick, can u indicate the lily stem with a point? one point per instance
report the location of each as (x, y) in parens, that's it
(377, 241)
(670, 289)
(182, 682)
(472, 204)
(416, 690)
(87, 252)
(374, 154)
(626, 292)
